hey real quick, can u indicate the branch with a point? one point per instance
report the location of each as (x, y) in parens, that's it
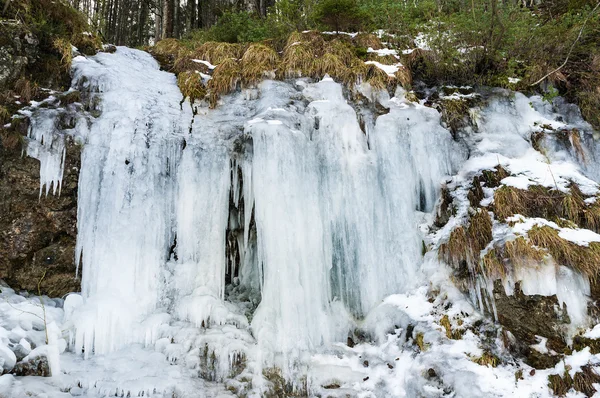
(571, 49)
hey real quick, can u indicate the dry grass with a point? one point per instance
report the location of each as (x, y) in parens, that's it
(575, 140)
(382, 59)
(342, 50)
(455, 113)
(585, 259)
(404, 77)
(332, 65)
(419, 341)
(258, 60)
(367, 40)
(225, 79)
(455, 251)
(487, 359)
(299, 59)
(184, 63)
(87, 43)
(191, 86)
(451, 334)
(313, 38)
(582, 381)
(465, 245)
(376, 77)
(492, 265)
(521, 254)
(65, 50)
(560, 386)
(4, 116)
(26, 90)
(167, 47)
(216, 53)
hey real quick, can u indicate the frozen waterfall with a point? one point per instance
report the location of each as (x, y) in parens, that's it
(276, 221)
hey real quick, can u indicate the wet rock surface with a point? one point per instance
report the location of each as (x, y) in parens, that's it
(37, 233)
(18, 49)
(528, 316)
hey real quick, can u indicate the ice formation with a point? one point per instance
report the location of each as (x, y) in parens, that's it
(258, 236)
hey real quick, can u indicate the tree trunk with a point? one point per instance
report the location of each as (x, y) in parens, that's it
(168, 11)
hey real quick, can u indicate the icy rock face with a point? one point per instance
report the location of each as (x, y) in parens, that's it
(322, 213)
(245, 243)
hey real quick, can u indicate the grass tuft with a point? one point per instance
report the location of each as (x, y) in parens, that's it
(64, 48)
(299, 59)
(367, 40)
(258, 61)
(216, 53)
(191, 86)
(225, 79)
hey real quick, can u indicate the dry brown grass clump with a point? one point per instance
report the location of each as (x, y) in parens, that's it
(367, 40)
(487, 359)
(464, 245)
(26, 90)
(382, 59)
(299, 59)
(551, 204)
(216, 53)
(582, 381)
(225, 79)
(313, 38)
(167, 47)
(185, 62)
(585, 259)
(492, 265)
(65, 50)
(258, 61)
(521, 254)
(455, 252)
(342, 50)
(455, 113)
(87, 43)
(376, 77)
(4, 116)
(332, 65)
(404, 77)
(191, 86)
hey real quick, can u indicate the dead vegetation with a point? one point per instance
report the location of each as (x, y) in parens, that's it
(582, 381)
(216, 53)
(191, 86)
(464, 248)
(225, 79)
(306, 54)
(548, 203)
(465, 244)
(259, 61)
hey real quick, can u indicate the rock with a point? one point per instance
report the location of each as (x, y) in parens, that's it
(37, 366)
(529, 316)
(37, 234)
(18, 49)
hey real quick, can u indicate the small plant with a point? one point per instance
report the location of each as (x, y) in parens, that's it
(550, 95)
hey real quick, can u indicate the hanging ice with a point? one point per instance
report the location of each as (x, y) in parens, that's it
(285, 198)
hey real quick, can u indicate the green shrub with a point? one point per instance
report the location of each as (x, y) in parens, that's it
(341, 15)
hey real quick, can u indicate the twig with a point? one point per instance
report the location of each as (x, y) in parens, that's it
(571, 49)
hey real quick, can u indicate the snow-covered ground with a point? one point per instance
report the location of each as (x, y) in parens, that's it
(325, 209)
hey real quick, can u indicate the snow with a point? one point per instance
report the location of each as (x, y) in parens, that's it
(201, 61)
(389, 69)
(383, 52)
